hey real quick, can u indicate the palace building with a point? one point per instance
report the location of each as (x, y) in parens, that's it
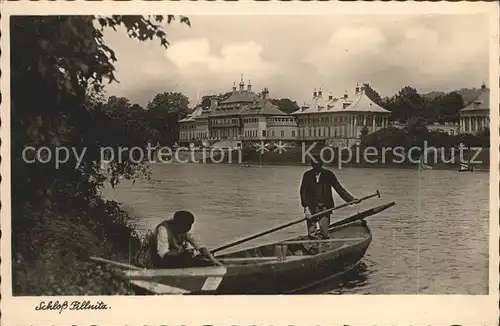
(247, 117)
(340, 121)
(243, 116)
(476, 116)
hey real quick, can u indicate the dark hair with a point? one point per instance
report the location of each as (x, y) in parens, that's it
(183, 220)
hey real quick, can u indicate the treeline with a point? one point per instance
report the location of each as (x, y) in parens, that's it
(157, 123)
(408, 104)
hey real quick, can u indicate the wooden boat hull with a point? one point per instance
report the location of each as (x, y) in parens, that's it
(258, 270)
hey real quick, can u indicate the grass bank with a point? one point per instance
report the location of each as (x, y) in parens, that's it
(50, 250)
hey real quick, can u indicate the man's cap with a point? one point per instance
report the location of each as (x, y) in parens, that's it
(183, 218)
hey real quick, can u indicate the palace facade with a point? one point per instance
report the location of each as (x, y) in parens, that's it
(249, 117)
(476, 116)
(340, 121)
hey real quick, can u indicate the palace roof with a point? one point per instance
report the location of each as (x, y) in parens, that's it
(241, 102)
(359, 103)
(196, 113)
(241, 96)
(481, 103)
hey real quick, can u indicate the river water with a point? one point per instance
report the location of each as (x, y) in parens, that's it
(434, 241)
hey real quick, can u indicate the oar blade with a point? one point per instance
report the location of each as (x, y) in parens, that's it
(363, 215)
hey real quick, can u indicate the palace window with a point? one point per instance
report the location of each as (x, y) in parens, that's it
(282, 133)
(263, 133)
(293, 133)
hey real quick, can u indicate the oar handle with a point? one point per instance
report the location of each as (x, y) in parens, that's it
(255, 236)
(377, 194)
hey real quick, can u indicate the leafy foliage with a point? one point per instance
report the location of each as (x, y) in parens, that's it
(59, 65)
(286, 105)
(165, 110)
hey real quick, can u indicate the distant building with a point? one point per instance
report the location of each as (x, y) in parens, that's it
(190, 127)
(339, 121)
(448, 127)
(247, 117)
(243, 117)
(476, 116)
(397, 124)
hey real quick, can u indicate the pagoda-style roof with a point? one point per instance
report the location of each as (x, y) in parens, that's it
(481, 103)
(241, 96)
(191, 117)
(242, 102)
(359, 103)
(262, 107)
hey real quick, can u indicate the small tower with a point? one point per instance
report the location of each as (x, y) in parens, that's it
(265, 93)
(242, 83)
(357, 89)
(315, 93)
(345, 95)
(234, 86)
(249, 86)
(320, 92)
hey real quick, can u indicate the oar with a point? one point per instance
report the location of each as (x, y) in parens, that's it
(114, 263)
(255, 236)
(362, 215)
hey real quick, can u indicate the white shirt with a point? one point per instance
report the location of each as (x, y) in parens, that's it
(163, 241)
(318, 175)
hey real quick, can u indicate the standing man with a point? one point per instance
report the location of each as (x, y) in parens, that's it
(169, 248)
(316, 195)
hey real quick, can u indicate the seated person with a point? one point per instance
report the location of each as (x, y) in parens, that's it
(170, 246)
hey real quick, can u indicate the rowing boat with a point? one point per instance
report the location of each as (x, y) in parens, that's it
(282, 267)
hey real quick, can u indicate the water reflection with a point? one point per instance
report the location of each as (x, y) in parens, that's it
(355, 278)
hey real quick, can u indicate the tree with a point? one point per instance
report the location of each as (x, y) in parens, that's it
(373, 95)
(206, 101)
(65, 61)
(286, 105)
(166, 109)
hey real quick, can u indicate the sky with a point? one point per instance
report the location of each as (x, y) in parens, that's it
(293, 55)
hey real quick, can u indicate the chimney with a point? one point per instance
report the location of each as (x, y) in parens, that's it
(483, 86)
(315, 93)
(249, 86)
(345, 95)
(265, 93)
(242, 83)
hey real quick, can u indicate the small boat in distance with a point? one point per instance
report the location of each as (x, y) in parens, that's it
(465, 168)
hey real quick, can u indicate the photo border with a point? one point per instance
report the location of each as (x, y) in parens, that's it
(256, 310)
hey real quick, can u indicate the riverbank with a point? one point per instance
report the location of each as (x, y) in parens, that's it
(51, 249)
(480, 160)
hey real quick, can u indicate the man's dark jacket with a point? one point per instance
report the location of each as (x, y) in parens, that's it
(327, 180)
